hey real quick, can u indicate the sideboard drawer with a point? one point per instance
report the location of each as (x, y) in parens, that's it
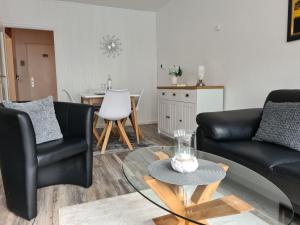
(175, 95)
(188, 96)
(163, 94)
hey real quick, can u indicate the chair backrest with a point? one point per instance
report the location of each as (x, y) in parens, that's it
(71, 99)
(138, 100)
(116, 105)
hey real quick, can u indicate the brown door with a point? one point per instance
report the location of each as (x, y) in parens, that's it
(3, 73)
(41, 71)
(11, 76)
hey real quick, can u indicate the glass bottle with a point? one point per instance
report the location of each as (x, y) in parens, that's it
(109, 82)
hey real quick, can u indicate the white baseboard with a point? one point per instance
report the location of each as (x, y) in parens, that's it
(147, 122)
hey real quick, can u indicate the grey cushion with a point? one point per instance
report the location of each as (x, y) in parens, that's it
(42, 115)
(280, 124)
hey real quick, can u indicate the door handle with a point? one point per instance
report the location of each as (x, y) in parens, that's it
(32, 82)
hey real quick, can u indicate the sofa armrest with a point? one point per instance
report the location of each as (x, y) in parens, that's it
(229, 125)
(75, 120)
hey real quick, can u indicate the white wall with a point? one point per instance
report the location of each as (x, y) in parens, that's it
(78, 30)
(250, 55)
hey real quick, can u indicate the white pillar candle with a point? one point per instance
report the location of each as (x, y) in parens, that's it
(201, 72)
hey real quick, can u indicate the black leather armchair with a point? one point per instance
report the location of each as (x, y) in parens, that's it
(25, 166)
(229, 134)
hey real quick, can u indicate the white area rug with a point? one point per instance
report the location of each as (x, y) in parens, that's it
(130, 209)
(133, 209)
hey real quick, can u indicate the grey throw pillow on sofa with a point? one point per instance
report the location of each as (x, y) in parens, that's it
(280, 124)
(42, 115)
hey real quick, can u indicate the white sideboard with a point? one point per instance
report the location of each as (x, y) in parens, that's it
(179, 106)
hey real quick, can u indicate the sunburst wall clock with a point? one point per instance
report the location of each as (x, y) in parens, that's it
(111, 46)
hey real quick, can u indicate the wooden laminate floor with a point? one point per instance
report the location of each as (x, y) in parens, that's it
(108, 181)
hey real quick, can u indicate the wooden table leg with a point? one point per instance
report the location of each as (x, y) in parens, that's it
(141, 133)
(134, 119)
(204, 193)
(95, 132)
(202, 207)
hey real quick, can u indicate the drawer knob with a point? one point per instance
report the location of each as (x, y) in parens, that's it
(167, 117)
(174, 94)
(180, 121)
(163, 93)
(187, 95)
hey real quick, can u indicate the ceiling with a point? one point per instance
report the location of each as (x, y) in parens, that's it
(147, 5)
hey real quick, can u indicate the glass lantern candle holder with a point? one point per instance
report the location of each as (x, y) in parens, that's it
(184, 160)
(185, 143)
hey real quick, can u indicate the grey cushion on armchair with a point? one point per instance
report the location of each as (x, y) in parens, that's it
(42, 115)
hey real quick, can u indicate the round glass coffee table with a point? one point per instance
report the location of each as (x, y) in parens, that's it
(242, 197)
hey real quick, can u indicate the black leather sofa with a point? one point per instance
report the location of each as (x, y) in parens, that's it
(25, 166)
(229, 134)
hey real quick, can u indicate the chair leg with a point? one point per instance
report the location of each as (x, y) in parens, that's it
(108, 130)
(121, 139)
(102, 134)
(135, 127)
(123, 121)
(114, 131)
(95, 132)
(124, 135)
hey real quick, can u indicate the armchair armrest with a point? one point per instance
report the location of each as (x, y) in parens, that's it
(18, 161)
(17, 135)
(229, 125)
(75, 120)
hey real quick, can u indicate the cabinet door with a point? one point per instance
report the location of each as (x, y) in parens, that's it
(189, 116)
(179, 118)
(172, 117)
(164, 116)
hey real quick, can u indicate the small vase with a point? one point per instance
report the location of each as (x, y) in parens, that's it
(174, 80)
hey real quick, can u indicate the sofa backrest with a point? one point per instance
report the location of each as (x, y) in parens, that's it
(284, 95)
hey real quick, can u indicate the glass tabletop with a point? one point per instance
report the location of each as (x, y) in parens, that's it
(242, 197)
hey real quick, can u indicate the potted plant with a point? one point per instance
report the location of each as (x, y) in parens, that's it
(175, 71)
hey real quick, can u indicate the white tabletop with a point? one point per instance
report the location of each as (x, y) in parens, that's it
(93, 95)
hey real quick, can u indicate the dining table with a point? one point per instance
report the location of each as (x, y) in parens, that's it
(95, 99)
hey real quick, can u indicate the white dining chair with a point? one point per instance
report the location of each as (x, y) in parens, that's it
(135, 127)
(114, 108)
(70, 97)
